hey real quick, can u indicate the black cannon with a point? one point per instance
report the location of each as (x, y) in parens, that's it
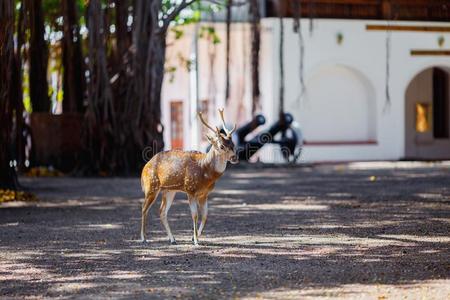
(290, 143)
(247, 149)
(290, 139)
(243, 131)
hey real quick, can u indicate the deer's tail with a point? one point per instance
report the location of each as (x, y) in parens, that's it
(145, 180)
(148, 182)
(142, 184)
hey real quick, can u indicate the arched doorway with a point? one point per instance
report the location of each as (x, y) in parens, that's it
(340, 107)
(427, 112)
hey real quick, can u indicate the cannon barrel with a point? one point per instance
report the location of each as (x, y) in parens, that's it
(247, 149)
(279, 125)
(243, 131)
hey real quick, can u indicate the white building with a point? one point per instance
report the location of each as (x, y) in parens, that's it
(344, 113)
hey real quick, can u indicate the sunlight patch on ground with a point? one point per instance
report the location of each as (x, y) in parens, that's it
(429, 195)
(315, 240)
(297, 198)
(372, 165)
(242, 181)
(94, 227)
(416, 238)
(322, 239)
(15, 270)
(430, 289)
(67, 203)
(339, 195)
(106, 226)
(9, 224)
(104, 207)
(341, 239)
(92, 254)
(273, 206)
(337, 225)
(231, 192)
(71, 287)
(16, 267)
(124, 275)
(241, 254)
(445, 220)
(253, 175)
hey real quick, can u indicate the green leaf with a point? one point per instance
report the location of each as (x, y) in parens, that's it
(216, 40)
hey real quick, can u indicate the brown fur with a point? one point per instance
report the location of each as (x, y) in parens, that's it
(191, 172)
(179, 171)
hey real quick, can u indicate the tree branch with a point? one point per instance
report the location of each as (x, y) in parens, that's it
(235, 3)
(175, 12)
(185, 3)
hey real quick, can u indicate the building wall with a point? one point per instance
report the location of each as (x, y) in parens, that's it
(343, 113)
(212, 79)
(345, 86)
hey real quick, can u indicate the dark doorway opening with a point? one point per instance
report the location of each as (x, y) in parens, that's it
(440, 103)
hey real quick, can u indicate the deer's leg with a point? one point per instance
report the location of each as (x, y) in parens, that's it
(167, 199)
(204, 213)
(194, 213)
(149, 200)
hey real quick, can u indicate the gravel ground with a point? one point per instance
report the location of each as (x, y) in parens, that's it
(374, 230)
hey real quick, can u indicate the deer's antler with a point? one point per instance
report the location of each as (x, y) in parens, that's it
(228, 132)
(204, 122)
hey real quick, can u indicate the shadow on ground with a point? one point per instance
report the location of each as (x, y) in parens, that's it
(273, 233)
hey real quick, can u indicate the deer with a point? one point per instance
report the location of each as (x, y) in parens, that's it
(191, 172)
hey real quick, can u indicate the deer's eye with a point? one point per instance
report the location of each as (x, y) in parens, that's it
(222, 147)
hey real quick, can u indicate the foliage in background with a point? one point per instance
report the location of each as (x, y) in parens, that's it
(63, 66)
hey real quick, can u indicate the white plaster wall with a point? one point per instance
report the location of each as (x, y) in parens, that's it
(339, 106)
(176, 86)
(363, 51)
(352, 73)
(212, 82)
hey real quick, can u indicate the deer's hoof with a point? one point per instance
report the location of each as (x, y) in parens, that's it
(173, 242)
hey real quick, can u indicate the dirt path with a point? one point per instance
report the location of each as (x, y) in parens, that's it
(356, 231)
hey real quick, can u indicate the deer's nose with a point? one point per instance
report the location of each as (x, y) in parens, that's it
(234, 159)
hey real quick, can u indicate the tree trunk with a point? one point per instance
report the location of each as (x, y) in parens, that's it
(19, 124)
(122, 37)
(256, 45)
(8, 178)
(124, 129)
(144, 92)
(297, 28)
(228, 49)
(73, 73)
(99, 129)
(281, 65)
(121, 54)
(38, 54)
